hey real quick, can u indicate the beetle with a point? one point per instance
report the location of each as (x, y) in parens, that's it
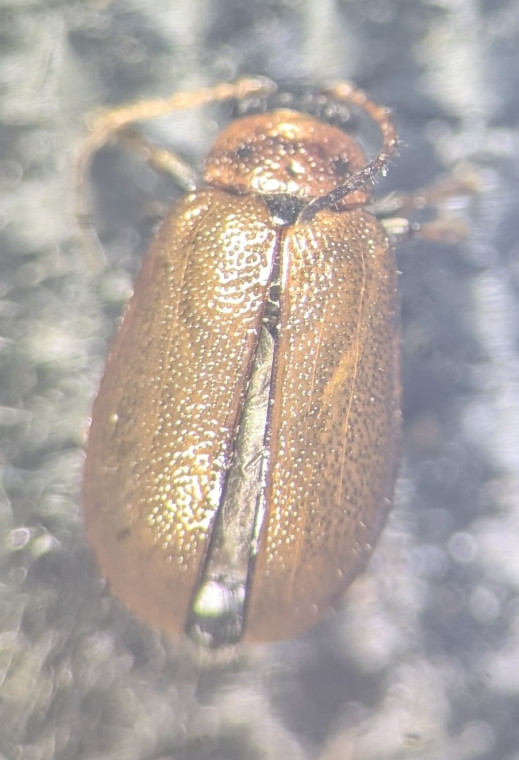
(244, 443)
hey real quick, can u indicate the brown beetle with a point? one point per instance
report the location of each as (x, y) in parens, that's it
(245, 440)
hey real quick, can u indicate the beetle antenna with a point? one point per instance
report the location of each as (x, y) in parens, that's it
(103, 125)
(381, 116)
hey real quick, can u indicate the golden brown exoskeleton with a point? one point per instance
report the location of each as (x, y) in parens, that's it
(245, 440)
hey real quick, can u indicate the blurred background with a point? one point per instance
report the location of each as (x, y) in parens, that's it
(423, 659)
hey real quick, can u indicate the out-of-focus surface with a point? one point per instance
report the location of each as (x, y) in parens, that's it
(423, 660)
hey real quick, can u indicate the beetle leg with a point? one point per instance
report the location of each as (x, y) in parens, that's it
(104, 124)
(395, 210)
(462, 182)
(164, 161)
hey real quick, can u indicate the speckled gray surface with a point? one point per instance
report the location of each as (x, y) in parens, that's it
(423, 661)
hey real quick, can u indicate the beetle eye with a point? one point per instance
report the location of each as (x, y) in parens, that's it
(244, 152)
(341, 167)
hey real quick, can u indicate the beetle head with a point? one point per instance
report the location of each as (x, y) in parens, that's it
(284, 152)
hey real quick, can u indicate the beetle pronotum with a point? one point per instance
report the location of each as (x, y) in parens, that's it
(245, 439)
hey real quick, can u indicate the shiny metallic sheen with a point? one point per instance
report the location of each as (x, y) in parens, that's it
(205, 489)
